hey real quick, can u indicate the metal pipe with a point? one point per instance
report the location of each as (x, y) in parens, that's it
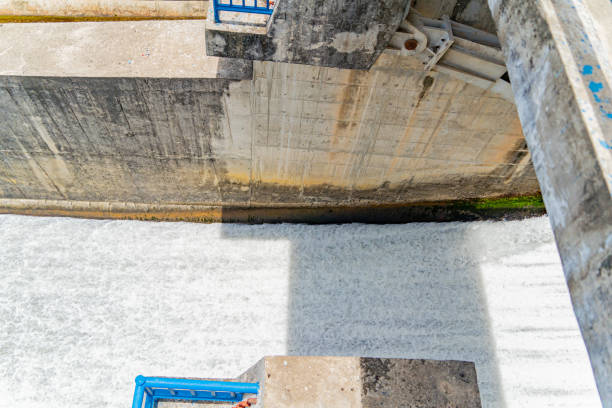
(138, 392)
(149, 401)
(202, 398)
(204, 385)
(216, 10)
(245, 9)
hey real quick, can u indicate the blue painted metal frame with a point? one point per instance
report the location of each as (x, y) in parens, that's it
(241, 7)
(152, 389)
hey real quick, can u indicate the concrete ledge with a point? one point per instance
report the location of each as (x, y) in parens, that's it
(134, 8)
(333, 382)
(493, 209)
(154, 49)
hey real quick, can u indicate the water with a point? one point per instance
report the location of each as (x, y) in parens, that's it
(86, 305)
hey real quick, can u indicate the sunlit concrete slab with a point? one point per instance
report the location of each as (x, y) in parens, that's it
(114, 8)
(158, 49)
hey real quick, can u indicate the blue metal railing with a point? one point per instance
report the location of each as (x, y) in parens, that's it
(152, 389)
(241, 6)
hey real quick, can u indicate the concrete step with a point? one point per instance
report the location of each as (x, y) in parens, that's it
(357, 382)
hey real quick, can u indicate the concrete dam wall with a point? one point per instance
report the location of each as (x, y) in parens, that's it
(148, 119)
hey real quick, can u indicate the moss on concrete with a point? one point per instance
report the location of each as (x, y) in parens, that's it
(523, 202)
(76, 19)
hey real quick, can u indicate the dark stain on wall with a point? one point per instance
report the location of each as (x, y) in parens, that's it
(427, 83)
(418, 383)
(112, 139)
(234, 68)
(374, 373)
(460, 6)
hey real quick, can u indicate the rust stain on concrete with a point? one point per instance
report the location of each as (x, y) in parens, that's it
(349, 113)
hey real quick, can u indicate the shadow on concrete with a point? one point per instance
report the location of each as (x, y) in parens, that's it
(409, 291)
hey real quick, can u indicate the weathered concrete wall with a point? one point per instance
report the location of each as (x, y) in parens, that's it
(141, 140)
(312, 382)
(343, 34)
(559, 63)
(388, 135)
(100, 8)
(293, 135)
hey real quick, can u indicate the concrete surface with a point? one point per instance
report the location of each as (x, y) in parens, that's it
(475, 13)
(561, 72)
(288, 135)
(341, 34)
(307, 381)
(343, 382)
(88, 305)
(145, 49)
(99, 8)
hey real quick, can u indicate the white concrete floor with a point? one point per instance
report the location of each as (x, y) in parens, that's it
(87, 305)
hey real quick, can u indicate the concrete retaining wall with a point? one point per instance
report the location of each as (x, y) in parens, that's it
(274, 134)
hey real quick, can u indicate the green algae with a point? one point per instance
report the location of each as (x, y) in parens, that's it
(528, 202)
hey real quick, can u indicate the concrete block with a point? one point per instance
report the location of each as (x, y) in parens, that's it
(343, 382)
(342, 35)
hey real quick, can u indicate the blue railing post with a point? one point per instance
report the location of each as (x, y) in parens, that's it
(163, 388)
(216, 10)
(243, 8)
(138, 392)
(149, 401)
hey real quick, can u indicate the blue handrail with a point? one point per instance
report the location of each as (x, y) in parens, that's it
(241, 7)
(156, 388)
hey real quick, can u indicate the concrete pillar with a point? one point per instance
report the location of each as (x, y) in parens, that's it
(559, 64)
